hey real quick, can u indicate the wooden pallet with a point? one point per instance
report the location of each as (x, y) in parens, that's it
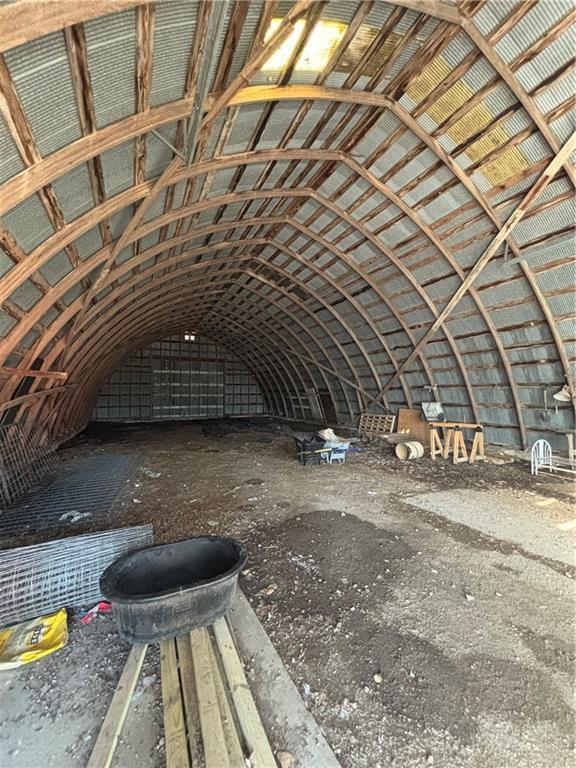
(210, 717)
(374, 424)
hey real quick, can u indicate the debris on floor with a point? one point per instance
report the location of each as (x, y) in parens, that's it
(374, 594)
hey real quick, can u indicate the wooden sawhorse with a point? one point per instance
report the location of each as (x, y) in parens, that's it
(454, 441)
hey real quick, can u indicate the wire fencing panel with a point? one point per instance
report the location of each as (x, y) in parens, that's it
(45, 577)
(25, 459)
(86, 487)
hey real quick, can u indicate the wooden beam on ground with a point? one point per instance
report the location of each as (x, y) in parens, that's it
(261, 754)
(174, 723)
(231, 737)
(535, 191)
(188, 683)
(215, 752)
(107, 740)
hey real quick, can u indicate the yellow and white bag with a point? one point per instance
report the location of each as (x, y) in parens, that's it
(32, 640)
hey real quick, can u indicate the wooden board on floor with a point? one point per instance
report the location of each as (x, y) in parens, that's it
(411, 420)
(174, 722)
(107, 740)
(210, 718)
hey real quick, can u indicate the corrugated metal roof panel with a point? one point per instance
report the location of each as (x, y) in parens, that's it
(174, 32)
(28, 223)
(560, 51)
(558, 279)
(491, 15)
(10, 161)
(111, 44)
(88, 243)
(41, 75)
(73, 192)
(558, 217)
(555, 94)
(118, 168)
(563, 128)
(539, 18)
(244, 44)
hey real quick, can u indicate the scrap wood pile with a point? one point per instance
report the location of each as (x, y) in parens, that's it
(210, 717)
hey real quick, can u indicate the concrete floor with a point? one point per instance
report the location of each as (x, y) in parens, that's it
(424, 611)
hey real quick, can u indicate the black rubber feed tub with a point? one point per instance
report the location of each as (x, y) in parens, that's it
(167, 590)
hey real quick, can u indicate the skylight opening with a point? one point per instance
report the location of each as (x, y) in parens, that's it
(317, 52)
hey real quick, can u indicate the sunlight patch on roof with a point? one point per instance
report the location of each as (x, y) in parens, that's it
(318, 49)
(508, 163)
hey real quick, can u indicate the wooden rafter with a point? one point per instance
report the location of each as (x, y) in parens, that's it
(278, 208)
(81, 81)
(514, 219)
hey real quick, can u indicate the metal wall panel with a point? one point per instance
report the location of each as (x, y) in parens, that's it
(179, 379)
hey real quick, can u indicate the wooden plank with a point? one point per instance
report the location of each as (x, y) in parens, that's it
(411, 420)
(231, 737)
(188, 685)
(215, 752)
(107, 740)
(261, 754)
(33, 373)
(174, 725)
(22, 21)
(31, 396)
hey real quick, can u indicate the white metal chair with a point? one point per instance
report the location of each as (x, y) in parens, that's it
(541, 456)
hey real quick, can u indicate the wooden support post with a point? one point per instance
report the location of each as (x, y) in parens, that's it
(436, 448)
(460, 452)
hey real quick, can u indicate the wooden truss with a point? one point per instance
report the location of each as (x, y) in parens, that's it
(280, 279)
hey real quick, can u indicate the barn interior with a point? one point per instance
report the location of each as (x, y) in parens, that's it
(301, 274)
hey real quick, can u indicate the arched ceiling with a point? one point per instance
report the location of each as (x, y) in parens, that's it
(373, 198)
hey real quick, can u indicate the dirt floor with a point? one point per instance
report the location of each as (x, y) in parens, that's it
(424, 610)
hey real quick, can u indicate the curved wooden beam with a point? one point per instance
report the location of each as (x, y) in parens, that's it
(84, 346)
(25, 20)
(302, 306)
(69, 313)
(144, 313)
